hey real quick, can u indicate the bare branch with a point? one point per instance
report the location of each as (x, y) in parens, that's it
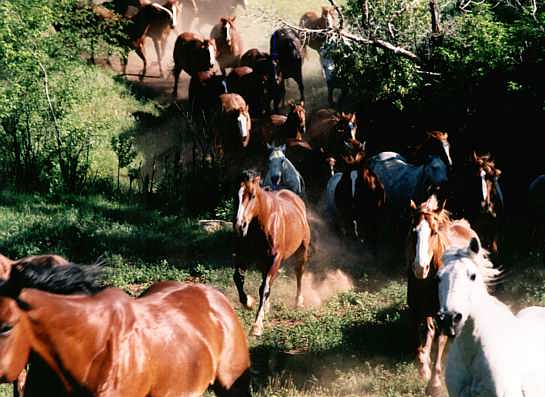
(435, 18)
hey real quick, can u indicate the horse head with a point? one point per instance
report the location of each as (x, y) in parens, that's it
(248, 205)
(244, 124)
(277, 158)
(424, 239)
(435, 173)
(206, 56)
(488, 174)
(462, 281)
(328, 16)
(347, 127)
(171, 9)
(227, 29)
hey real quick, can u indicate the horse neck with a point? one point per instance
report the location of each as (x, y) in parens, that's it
(264, 205)
(49, 340)
(291, 127)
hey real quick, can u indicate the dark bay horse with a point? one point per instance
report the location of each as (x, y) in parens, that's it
(228, 43)
(286, 50)
(281, 173)
(205, 89)
(192, 53)
(263, 65)
(118, 346)
(271, 227)
(249, 84)
(478, 197)
(432, 232)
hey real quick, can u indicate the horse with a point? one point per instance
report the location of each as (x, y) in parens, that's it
(436, 143)
(404, 181)
(232, 126)
(249, 84)
(432, 232)
(205, 89)
(228, 43)
(286, 50)
(311, 20)
(271, 227)
(35, 269)
(536, 214)
(118, 346)
(331, 79)
(281, 174)
(333, 131)
(493, 352)
(155, 21)
(208, 12)
(193, 54)
(479, 198)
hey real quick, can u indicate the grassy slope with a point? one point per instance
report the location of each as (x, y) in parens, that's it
(353, 345)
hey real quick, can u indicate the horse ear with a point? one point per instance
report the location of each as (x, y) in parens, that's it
(283, 147)
(413, 205)
(269, 146)
(474, 245)
(441, 206)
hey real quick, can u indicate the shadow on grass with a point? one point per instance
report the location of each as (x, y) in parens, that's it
(383, 340)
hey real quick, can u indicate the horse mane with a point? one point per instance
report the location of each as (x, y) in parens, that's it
(67, 279)
(489, 273)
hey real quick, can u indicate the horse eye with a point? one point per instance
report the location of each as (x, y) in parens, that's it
(5, 328)
(472, 277)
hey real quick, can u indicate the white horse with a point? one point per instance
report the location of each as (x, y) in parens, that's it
(494, 352)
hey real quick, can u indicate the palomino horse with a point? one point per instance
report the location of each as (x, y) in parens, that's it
(281, 174)
(228, 43)
(287, 51)
(432, 231)
(493, 352)
(478, 197)
(192, 54)
(333, 132)
(118, 346)
(311, 20)
(271, 227)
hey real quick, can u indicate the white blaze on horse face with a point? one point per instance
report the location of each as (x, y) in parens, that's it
(212, 53)
(484, 189)
(243, 126)
(240, 224)
(446, 148)
(422, 259)
(174, 15)
(228, 33)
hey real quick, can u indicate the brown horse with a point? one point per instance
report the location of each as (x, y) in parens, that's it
(193, 54)
(228, 43)
(271, 227)
(333, 132)
(311, 20)
(436, 143)
(119, 344)
(35, 271)
(432, 232)
(232, 126)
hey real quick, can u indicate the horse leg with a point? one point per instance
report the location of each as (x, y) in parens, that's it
(423, 351)
(435, 382)
(264, 293)
(299, 81)
(239, 276)
(139, 48)
(177, 70)
(241, 387)
(157, 45)
(302, 260)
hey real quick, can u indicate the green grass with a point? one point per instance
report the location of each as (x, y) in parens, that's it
(354, 344)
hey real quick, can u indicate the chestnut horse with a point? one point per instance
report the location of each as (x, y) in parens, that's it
(118, 346)
(193, 54)
(228, 43)
(271, 227)
(311, 20)
(431, 233)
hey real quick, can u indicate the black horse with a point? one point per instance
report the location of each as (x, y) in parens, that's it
(287, 51)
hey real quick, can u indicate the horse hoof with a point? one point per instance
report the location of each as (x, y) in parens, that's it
(256, 330)
(424, 373)
(249, 302)
(433, 390)
(300, 303)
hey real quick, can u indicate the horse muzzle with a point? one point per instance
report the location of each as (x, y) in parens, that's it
(448, 322)
(421, 272)
(242, 228)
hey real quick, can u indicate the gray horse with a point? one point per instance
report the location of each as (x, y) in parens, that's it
(404, 182)
(281, 173)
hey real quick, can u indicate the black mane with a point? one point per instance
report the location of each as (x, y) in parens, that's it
(65, 280)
